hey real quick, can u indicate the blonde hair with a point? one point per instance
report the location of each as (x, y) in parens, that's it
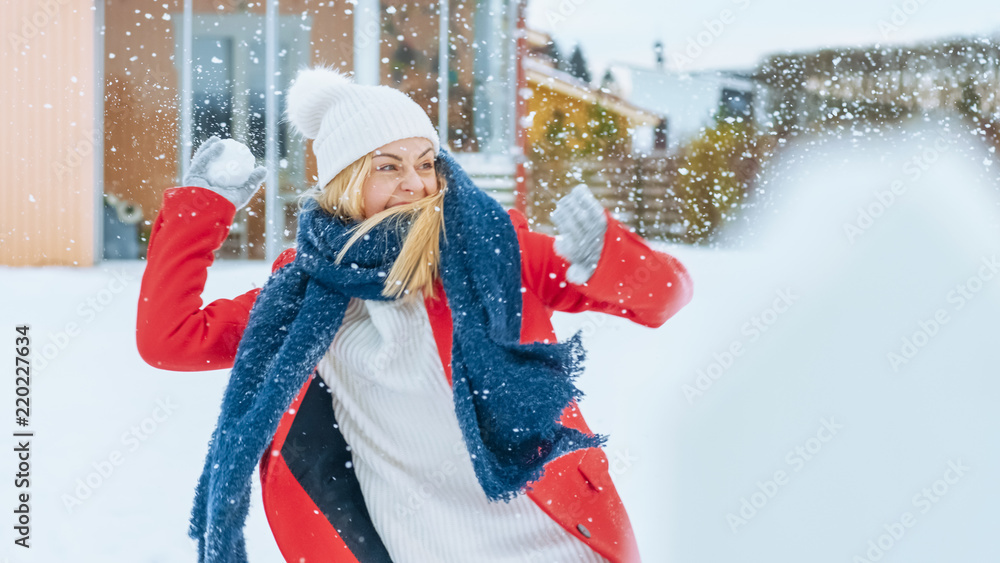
(417, 266)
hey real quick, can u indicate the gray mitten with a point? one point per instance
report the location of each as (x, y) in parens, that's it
(227, 168)
(580, 220)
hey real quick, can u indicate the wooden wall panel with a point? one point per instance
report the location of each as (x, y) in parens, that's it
(47, 198)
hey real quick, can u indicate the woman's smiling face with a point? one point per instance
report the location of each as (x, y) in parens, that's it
(402, 172)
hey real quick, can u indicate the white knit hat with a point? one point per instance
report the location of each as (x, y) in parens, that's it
(348, 120)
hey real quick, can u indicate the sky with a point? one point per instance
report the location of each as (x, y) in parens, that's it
(736, 34)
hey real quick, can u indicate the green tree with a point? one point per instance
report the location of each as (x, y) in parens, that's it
(712, 178)
(578, 65)
(608, 81)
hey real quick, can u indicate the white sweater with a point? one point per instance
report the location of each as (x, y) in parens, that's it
(395, 409)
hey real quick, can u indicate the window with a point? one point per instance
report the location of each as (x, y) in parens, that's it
(736, 103)
(228, 95)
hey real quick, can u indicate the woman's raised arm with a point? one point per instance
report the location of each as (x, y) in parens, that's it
(631, 280)
(173, 331)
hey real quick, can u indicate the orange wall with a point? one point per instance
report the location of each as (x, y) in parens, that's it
(140, 101)
(47, 199)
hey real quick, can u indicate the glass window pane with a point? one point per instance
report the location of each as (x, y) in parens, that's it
(409, 50)
(212, 83)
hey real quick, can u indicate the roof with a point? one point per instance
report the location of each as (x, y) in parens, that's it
(569, 85)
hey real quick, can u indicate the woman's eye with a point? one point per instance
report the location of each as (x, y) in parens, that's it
(392, 167)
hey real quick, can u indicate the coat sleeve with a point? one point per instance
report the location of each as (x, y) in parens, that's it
(631, 280)
(173, 330)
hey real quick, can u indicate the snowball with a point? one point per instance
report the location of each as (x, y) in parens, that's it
(233, 166)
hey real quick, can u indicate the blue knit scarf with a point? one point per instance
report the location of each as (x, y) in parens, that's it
(508, 395)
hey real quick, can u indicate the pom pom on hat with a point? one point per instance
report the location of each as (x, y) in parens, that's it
(348, 121)
(311, 95)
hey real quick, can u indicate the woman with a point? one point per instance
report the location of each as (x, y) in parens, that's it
(398, 378)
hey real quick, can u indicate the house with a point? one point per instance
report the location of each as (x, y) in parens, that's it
(111, 97)
(555, 96)
(689, 100)
(573, 131)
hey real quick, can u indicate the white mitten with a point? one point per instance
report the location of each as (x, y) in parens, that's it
(581, 223)
(227, 168)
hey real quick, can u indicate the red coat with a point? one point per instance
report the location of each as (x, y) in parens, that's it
(310, 495)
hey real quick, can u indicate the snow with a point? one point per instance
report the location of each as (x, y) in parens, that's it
(233, 166)
(812, 375)
(86, 401)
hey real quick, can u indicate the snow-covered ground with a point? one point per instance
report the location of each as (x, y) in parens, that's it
(805, 446)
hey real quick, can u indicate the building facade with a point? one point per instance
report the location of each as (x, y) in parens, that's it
(110, 99)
